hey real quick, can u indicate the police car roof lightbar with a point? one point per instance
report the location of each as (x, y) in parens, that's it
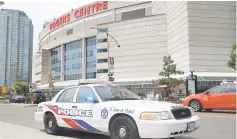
(93, 81)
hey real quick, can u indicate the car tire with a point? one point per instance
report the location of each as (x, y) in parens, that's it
(123, 127)
(195, 105)
(51, 125)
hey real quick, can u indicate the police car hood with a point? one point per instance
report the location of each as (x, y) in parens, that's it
(143, 105)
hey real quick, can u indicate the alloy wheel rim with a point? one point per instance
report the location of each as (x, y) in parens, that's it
(195, 106)
(122, 132)
(50, 123)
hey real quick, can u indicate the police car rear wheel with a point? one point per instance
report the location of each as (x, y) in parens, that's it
(123, 128)
(51, 126)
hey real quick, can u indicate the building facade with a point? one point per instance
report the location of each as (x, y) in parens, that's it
(16, 43)
(197, 35)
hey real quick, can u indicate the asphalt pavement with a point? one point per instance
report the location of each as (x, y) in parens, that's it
(17, 122)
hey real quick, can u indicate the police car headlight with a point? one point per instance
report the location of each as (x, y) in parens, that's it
(156, 116)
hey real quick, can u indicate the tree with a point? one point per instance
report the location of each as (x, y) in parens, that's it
(232, 61)
(20, 87)
(169, 70)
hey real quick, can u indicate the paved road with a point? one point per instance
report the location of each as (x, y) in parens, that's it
(215, 125)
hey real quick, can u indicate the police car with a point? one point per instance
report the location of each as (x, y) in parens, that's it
(115, 111)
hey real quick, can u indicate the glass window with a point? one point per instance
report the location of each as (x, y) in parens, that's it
(110, 93)
(102, 30)
(101, 50)
(56, 63)
(101, 40)
(60, 98)
(102, 71)
(233, 88)
(230, 88)
(91, 58)
(73, 61)
(85, 92)
(102, 60)
(67, 95)
(209, 82)
(218, 89)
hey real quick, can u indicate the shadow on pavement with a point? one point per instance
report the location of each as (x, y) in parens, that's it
(84, 135)
(182, 137)
(79, 135)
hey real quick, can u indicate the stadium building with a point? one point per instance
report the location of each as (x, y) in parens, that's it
(83, 43)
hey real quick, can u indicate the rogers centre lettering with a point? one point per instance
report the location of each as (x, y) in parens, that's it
(86, 10)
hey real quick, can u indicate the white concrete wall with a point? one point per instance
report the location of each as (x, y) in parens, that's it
(82, 29)
(212, 31)
(177, 30)
(143, 44)
(158, 7)
(197, 35)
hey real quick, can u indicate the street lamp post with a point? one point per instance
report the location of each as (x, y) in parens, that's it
(109, 60)
(191, 71)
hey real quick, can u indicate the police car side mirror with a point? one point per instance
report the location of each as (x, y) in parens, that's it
(91, 100)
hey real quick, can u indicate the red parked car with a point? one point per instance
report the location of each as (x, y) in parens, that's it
(219, 97)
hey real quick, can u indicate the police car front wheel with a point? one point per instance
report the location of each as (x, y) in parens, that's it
(123, 127)
(50, 123)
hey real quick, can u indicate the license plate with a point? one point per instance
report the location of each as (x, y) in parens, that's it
(191, 126)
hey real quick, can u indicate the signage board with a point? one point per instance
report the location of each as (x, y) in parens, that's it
(79, 13)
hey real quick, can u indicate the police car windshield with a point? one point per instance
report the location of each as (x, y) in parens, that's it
(113, 93)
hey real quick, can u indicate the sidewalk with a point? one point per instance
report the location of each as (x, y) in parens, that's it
(11, 131)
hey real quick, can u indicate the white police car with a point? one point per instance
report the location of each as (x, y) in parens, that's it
(115, 111)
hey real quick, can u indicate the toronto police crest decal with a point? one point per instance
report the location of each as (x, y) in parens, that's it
(104, 113)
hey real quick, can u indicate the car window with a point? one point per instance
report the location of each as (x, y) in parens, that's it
(218, 89)
(232, 88)
(85, 92)
(114, 93)
(67, 95)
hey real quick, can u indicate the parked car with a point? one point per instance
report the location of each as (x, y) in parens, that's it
(17, 99)
(219, 97)
(39, 97)
(8, 96)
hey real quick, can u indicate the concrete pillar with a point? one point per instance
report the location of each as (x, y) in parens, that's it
(83, 58)
(62, 61)
(114, 15)
(45, 66)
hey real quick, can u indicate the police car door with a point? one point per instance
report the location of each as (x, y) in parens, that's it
(65, 109)
(88, 116)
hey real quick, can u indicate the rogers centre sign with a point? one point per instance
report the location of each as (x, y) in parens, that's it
(78, 13)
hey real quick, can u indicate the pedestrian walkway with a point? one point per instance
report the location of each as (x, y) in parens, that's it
(11, 131)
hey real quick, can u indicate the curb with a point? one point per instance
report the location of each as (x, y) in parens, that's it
(20, 105)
